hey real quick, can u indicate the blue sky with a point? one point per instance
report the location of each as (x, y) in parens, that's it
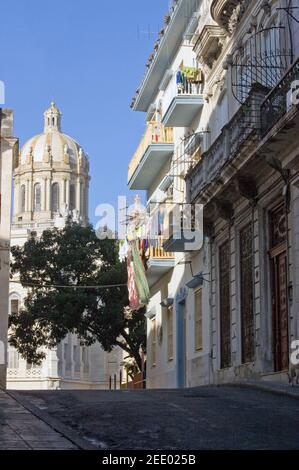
(89, 58)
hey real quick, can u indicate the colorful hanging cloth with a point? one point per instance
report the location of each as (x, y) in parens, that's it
(139, 275)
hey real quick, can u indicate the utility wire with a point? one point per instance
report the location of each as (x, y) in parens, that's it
(50, 286)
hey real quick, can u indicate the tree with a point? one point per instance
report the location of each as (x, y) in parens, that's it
(57, 268)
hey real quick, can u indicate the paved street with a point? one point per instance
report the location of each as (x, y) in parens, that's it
(202, 418)
(20, 430)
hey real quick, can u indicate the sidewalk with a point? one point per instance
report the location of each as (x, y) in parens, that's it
(277, 388)
(21, 430)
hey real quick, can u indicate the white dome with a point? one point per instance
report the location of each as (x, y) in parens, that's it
(52, 142)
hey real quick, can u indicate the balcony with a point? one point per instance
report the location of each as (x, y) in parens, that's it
(280, 100)
(228, 13)
(159, 262)
(183, 99)
(235, 137)
(154, 150)
(181, 233)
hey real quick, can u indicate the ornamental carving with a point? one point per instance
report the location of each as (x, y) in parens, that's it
(228, 13)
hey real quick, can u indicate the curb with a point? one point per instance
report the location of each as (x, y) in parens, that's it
(56, 425)
(265, 388)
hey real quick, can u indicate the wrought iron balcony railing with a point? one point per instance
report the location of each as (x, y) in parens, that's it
(280, 100)
(239, 130)
(155, 134)
(156, 250)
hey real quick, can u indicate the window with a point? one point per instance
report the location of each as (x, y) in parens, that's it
(85, 360)
(12, 358)
(14, 306)
(55, 197)
(198, 321)
(72, 197)
(37, 197)
(23, 198)
(225, 305)
(170, 333)
(154, 342)
(76, 358)
(247, 293)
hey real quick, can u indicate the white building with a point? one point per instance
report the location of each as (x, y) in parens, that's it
(8, 157)
(222, 131)
(50, 182)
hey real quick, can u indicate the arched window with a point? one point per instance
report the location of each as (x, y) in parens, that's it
(72, 197)
(37, 197)
(23, 198)
(55, 197)
(53, 121)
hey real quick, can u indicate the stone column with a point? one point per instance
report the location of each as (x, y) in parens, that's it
(27, 196)
(78, 195)
(17, 197)
(48, 195)
(8, 148)
(30, 195)
(67, 192)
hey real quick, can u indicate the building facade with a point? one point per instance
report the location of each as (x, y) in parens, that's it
(8, 157)
(221, 142)
(51, 183)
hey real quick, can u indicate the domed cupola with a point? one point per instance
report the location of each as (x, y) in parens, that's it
(52, 177)
(52, 119)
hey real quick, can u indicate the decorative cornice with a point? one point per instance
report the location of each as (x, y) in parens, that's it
(209, 45)
(228, 13)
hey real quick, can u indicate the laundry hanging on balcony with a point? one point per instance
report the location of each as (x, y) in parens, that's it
(192, 74)
(138, 288)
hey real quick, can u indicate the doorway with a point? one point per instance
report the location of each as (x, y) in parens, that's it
(279, 277)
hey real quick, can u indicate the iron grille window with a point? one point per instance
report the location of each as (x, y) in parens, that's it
(247, 313)
(278, 226)
(225, 306)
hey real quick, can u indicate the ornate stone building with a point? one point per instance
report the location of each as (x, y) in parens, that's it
(51, 182)
(8, 156)
(223, 81)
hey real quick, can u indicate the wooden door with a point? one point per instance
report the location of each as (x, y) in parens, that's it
(278, 255)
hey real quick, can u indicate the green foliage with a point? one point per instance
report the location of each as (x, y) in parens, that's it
(73, 256)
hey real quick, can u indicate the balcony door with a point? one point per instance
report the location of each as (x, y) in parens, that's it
(225, 305)
(278, 262)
